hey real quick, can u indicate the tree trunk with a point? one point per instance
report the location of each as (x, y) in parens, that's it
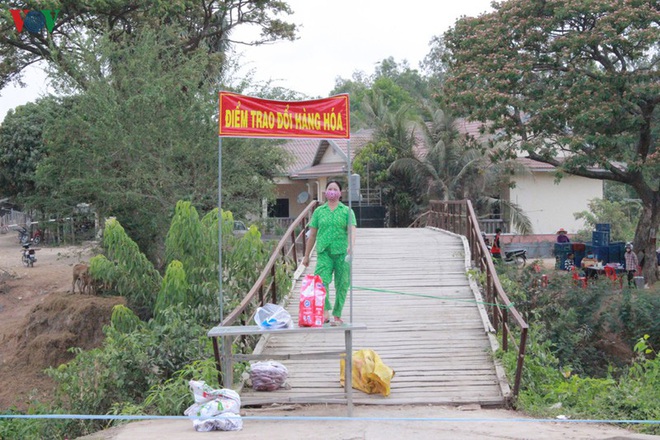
(646, 240)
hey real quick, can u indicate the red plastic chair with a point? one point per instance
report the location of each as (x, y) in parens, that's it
(577, 279)
(610, 273)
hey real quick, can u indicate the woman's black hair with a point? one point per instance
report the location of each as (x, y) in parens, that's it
(335, 182)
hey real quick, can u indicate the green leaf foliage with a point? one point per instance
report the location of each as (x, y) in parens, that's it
(124, 320)
(584, 356)
(141, 137)
(622, 217)
(22, 146)
(173, 291)
(186, 237)
(200, 27)
(132, 275)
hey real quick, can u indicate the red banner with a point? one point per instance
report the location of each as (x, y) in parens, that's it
(245, 116)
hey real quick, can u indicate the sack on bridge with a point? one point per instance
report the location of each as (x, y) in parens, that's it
(312, 302)
(370, 374)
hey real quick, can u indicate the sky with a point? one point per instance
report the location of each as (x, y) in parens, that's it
(336, 39)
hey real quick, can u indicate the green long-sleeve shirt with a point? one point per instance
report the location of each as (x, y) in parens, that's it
(332, 228)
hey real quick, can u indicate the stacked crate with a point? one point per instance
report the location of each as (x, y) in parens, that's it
(600, 238)
(617, 252)
(600, 247)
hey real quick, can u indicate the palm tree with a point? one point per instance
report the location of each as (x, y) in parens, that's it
(392, 128)
(451, 170)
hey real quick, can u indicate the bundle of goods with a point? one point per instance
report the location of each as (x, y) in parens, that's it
(369, 373)
(214, 409)
(268, 375)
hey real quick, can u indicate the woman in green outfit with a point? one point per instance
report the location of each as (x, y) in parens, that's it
(330, 228)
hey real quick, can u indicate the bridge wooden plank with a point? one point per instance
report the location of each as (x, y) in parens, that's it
(425, 325)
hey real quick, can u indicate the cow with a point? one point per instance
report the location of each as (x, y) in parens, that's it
(82, 279)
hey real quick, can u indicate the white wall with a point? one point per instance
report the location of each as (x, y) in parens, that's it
(551, 206)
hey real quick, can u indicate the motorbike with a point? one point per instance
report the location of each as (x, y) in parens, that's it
(28, 256)
(24, 235)
(37, 236)
(516, 256)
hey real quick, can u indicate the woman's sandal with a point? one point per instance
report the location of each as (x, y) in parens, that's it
(337, 321)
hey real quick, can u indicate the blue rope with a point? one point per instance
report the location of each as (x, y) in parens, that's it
(315, 418)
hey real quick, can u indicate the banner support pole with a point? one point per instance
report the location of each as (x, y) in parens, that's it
(350, 234)
(220, 298)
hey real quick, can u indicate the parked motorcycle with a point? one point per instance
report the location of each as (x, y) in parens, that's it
(37, 236)
(23, 235)
(516, 256)
(28, 256)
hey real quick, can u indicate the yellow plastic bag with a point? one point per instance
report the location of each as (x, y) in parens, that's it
(370, 374)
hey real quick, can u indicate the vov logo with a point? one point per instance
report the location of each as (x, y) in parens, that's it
(34, 21)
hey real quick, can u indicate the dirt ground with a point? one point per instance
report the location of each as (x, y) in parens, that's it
(40, 318)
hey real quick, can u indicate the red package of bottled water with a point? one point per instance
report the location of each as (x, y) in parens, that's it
(312, 301)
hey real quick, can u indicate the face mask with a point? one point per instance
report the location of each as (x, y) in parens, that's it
(332, 195)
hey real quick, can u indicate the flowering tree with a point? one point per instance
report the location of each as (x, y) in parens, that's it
(574, 83)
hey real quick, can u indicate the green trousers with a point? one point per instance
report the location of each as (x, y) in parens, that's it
(326, 265)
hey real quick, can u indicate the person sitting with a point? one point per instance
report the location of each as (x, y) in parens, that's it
(562, 236)
(590, 262)
(569, 264)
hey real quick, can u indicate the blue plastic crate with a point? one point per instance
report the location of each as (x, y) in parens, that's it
(603, 227)
(602, 253)
(617, 252)
(600, 238)
(563, 247)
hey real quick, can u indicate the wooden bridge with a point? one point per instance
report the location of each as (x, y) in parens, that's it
(424, 317)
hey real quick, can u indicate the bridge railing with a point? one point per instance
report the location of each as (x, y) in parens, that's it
(291, 247)
(459, 217)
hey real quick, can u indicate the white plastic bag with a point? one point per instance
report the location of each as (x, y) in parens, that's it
(204, 393)
(267, 375)
(225, 422)
(215, 409)
(212, 408)
(272, 316)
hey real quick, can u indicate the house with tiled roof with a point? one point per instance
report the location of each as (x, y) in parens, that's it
(314, 163)
(550, 205)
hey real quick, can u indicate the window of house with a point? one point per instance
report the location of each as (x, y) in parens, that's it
(279, 209)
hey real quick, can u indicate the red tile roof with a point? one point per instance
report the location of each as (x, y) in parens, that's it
(308, 152)
(535, 165)
(324, 169)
